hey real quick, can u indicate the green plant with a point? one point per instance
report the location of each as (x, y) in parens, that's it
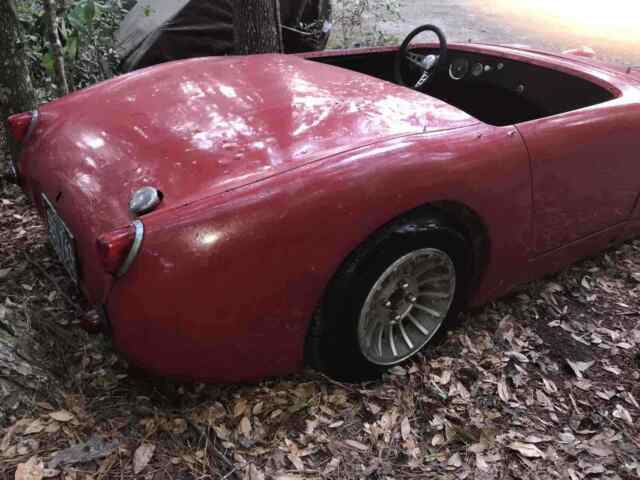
(86, 29)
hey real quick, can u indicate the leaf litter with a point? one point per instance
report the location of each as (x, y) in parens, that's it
(541, 384)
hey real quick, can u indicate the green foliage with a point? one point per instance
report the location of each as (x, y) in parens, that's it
(86, 31)
(359, 22)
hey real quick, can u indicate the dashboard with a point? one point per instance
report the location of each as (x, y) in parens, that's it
(502, 91)
(461, 67)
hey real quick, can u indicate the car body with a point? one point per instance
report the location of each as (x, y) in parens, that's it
(274, 168)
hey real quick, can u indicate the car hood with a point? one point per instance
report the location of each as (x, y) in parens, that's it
(206, 125)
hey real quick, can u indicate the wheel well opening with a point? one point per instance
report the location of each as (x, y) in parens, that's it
(472, 227)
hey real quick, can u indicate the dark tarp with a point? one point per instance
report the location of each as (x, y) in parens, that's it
(157, 31)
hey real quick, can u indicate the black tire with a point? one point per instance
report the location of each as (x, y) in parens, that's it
(332, 343)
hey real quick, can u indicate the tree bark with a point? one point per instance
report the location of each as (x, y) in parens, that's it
(56, 47)
(16, 90)
(257, 26)
(299, 13)
(20, 374)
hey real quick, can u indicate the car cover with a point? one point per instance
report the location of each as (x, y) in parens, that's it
(157, 31)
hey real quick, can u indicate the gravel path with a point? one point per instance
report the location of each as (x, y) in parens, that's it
(511, 22)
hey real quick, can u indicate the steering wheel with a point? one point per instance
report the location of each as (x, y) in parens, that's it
(425, 65)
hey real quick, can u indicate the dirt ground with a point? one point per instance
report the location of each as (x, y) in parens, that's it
(508, 22)
(543, 384)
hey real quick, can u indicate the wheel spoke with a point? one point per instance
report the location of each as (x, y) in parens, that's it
(406, 338)
(418, 325)
(392, 342)
(436, 295)
(430, 311)
(428, 268)
(439, 278)
(371, 332)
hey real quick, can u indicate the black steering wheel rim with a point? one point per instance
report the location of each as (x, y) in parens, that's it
(401, 56)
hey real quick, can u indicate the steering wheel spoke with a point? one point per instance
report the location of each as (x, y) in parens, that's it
(416, 60)
(424, 78)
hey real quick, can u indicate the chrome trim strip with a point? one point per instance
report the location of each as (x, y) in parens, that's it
(13, 162)
(135, 248)
(35, 116)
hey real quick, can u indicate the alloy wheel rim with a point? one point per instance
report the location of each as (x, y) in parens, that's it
(406, 306)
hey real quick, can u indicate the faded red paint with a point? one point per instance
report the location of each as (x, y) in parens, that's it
(275, 168)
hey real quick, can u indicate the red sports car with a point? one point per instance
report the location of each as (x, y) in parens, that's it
(237, 217)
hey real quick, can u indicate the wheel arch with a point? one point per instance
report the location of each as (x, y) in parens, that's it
(460, 217)
(473, 227)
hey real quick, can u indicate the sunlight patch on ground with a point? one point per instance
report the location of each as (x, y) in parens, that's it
(617, 19)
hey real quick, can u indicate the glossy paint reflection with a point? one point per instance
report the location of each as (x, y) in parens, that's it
(227, 122)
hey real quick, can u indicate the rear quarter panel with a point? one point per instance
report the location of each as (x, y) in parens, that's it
(225, 288)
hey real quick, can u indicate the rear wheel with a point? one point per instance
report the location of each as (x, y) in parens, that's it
(397, 293)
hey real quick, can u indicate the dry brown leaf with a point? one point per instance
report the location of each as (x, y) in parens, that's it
(549, 386)
(630, 399)
(53, 427)
(599, 450)
(606, 395)
(8, 436)
(245, 427)
(519, 356)
(296, 462)
(311, 426)
(623, 414)
(405, 428)
(477, 447)
(33, 469)
(503, 390)
(331, 466)
(62, 416)
(481, 463)
(573, 475)
(35, 427)
(357, 445)
(179, 426)
(373, 408)
(437, 440)
(221, 431)
(455, 461)
(253, 473)
(527, 450)
(142, 456)
(580, 367)
(240, 407)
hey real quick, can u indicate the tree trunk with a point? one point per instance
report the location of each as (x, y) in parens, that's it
(20, 374)
(56, 47)
(16, 91)
(299, 13)
(257, 26)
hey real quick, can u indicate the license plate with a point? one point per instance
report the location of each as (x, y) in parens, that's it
(61, 239)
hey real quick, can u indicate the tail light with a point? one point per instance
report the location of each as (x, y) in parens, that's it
(22, 124)
(118, 249)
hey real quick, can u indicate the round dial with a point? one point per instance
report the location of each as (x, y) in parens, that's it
(477, 70)
(459, 68)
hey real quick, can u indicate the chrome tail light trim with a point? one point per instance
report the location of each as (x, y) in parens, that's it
(135, 247)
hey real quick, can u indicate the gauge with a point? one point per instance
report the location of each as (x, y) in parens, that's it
(459, 68)
(477, 70)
